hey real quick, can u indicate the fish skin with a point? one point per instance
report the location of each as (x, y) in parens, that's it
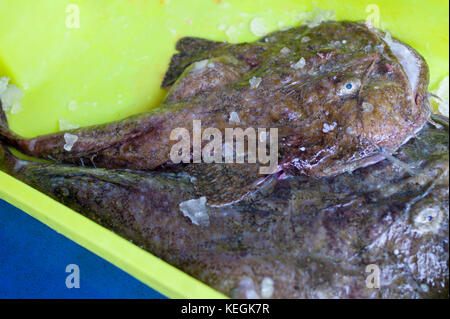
(313, 237)
(299, 102)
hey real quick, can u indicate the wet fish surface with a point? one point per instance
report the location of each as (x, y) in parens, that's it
(298, 237)
(336, 93)
(344, 98)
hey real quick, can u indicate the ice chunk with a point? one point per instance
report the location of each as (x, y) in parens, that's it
(73, 105)
(200, 65)
(222, 27)
(300, 64)
(70, 141)
(442, 93)
(305, 39)
(196, 211)
(285, 50)
(350, 130)
(258, 27)
(387, 37)
(267, 287)
(254, 82)
(65, 125)
(367, 107)
(3, 84)
(246, 289)
(328, 127)
(232, 33)
(443, 108)
(11, 96)
(234, 118)
(318, 16)
(16, 108)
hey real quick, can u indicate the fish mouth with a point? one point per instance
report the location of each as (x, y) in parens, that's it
(413, 65)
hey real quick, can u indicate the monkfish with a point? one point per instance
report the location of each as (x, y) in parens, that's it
(360, 179)
(335, 92)
(297, 237)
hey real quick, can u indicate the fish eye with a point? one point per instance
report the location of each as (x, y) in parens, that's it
(349, 87)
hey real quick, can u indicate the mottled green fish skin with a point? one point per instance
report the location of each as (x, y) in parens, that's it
(305, 237)
(336, 93)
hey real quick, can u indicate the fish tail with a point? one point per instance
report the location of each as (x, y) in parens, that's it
(6, 135)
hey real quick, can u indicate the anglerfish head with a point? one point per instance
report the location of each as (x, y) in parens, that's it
(355, 101)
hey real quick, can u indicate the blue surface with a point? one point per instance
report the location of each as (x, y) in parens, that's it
(33, 261)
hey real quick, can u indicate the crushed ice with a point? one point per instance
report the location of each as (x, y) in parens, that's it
(65, 125)
(367, 107)
(232, 33)
(11, 96)
(247, 288)
(285, 50)
(254, 82)
(442, 93)
(305, 39)
(317, 16)
(200, 65)
(300, 64)
(3, 84)
(73, 105)
(258, 27)
(267, 287)
(70, 141)
(328, 127)
(196, 211)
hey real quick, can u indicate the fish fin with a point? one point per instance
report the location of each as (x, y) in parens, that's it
(190, 50)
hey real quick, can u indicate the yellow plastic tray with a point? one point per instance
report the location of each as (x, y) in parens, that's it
(89, 62)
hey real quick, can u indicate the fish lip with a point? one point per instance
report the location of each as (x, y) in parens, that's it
(422, 75)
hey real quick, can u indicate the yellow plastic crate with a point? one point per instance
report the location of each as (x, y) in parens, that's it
(89, 62)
